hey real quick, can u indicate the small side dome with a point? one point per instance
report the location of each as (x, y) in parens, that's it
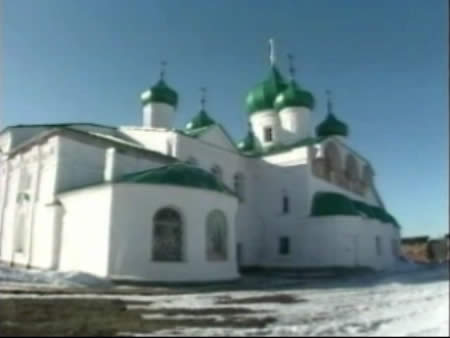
(332, 126)
(248, 143)
(262, 97)
(160, 93)
(294, 96)
(201, 120)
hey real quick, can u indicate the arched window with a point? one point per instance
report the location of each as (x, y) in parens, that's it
(217, 172)
(167, 236)
(192, 161)
(216, 236)
(239, 188)
(351, 172)
(332, 163)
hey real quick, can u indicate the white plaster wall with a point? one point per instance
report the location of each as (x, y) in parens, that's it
(82, 164)
(158, 115)
(272, 182)
(40, 161)
(22, 134)
(79, 164)
(85, 234)
(5, 142)
(333, 241)
(261, 120)
(295, 124)
(216, 137)
(134, 206)
(156, 139)
(209, 153)
(250, 234)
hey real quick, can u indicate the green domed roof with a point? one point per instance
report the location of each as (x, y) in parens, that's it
(293, 96)
(160, 93)
(335, 204)
(332, 126)
(178, 174)
(248, 143)
(263, 96)
(200, 120)
(331, 204)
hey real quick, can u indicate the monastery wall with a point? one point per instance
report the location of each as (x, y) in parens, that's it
(85, 236)
(135, 205)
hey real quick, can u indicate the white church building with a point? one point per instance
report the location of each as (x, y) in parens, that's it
(161, 204)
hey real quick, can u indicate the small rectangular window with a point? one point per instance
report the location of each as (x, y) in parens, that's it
(284, 248)
(268, 137)
(285, 205)
(379, 247)
(19, 236)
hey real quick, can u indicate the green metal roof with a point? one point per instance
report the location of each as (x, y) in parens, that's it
(334, 204)
(160, 93)
(331, 126)
(331, 204)
(293, 96)
(262, 97)
(178, 174)
(201, 120)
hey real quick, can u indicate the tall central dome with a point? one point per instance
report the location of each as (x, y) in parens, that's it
(263, 96)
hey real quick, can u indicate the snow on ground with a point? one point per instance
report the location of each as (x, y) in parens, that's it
(410, 304)
(413, 301)
(50, 278)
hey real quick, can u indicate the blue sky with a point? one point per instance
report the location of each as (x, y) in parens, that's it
(386, 62)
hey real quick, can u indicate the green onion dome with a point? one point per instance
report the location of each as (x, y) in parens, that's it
(332, 126)
(160, 93)
(248, 143)
(262, 97)
(201, 120)
(293, 96)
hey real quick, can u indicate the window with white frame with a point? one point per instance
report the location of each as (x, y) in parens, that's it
(268, 134)
(167, 236)
(19, 234)
(285, 204)
(239, 188)
(216, 236)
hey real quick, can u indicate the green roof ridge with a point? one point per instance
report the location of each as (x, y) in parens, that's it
(178, 174)
(335, 204)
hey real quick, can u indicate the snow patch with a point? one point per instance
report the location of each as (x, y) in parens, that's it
(52, 278)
